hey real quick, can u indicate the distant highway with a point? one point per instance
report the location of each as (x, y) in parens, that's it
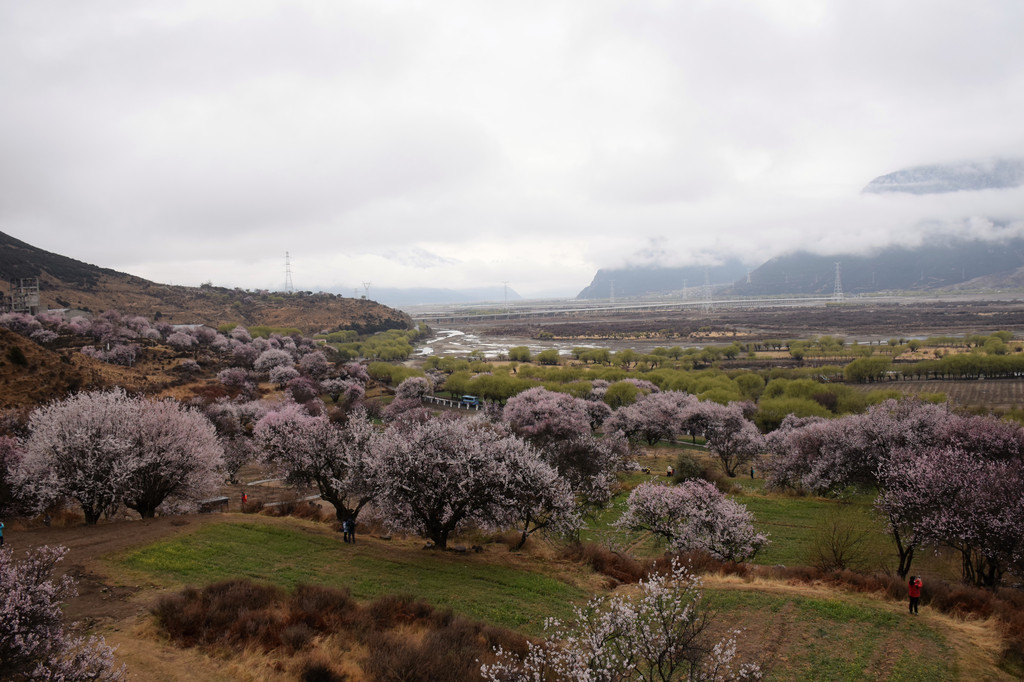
(498, 311)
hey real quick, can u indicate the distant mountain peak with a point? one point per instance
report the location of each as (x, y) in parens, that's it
(964, 176)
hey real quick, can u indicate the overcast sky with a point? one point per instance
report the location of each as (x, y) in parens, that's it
(467, 143)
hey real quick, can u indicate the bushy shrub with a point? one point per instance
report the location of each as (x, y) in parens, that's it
(619, 567)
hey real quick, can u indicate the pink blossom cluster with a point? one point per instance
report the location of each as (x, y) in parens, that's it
(694, 515)
(34, 642)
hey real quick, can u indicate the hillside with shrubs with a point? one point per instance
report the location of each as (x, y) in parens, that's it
(66, 283)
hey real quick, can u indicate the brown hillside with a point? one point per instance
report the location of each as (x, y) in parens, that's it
(31, 374)
(67, 283)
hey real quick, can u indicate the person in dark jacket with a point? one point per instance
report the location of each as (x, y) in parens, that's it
(914, 590)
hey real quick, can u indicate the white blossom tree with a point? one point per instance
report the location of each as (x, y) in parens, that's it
(175, 457)
(81, 448)
(104, 448)
(659, 635)
(694, 515)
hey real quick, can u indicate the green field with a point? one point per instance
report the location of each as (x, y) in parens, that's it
(795, 636)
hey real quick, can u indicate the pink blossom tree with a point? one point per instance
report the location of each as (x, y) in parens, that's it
(694, 515)
(439, 476)
(10, 459)
(414, 388)
(308, 450)
(538, 497)
(81, 448)
(272, 357)
(181, 340)
(34, 644)
(950, 497)
(282, 374)
(653, 417)
(661, 634)
(542, 416)
(303, 389)
(733, 438)
(315, 365)
(104, 448)
(355, 371)
(589, 465)
(176, 458)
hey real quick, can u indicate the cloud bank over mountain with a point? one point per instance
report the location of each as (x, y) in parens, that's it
(461, 144)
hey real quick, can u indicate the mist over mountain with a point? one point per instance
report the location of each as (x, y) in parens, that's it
(964, 176)
(655, 280)
(412, 296)
(956, 263)
(927, 267)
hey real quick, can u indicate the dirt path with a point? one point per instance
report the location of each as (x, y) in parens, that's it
(99, 600)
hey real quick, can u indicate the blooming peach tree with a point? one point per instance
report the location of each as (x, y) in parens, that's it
(694, 515)
(659, 635)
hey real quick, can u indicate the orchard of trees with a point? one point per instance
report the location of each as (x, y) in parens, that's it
(942, 479)
(537, 459)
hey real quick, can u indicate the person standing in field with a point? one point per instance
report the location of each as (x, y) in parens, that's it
(914, 590)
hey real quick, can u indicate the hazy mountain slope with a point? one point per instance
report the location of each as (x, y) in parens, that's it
(932, 266)
(641, 281)
(68, 283)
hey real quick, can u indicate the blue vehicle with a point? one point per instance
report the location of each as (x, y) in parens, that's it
(470, 400)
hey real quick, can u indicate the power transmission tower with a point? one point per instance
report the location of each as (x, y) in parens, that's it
(504, 283)
(708, 305)
(837, 294)
(611, 291)
(288, 287)
(366, 289)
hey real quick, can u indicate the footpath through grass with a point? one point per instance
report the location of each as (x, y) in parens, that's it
(289, 553)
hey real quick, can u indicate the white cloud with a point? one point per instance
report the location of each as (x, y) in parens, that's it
(466, 144)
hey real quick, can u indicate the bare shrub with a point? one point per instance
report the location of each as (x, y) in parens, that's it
(392, 610)
(320, 607)
(616, 565)
(296, 636)
(226, 612)
(318, 671)
(838, 543)
(243, 614)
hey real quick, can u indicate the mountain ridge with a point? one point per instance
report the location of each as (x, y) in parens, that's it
(68, 283)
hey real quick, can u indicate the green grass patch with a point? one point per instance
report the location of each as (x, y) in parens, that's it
(832, 639)
(288, 554)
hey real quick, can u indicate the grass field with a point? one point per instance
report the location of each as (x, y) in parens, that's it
(287, 554)
(796, 632)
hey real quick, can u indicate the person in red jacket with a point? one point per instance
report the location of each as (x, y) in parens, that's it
(914, 589)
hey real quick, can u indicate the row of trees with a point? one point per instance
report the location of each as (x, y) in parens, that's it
(436, 476)
(942, 479)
